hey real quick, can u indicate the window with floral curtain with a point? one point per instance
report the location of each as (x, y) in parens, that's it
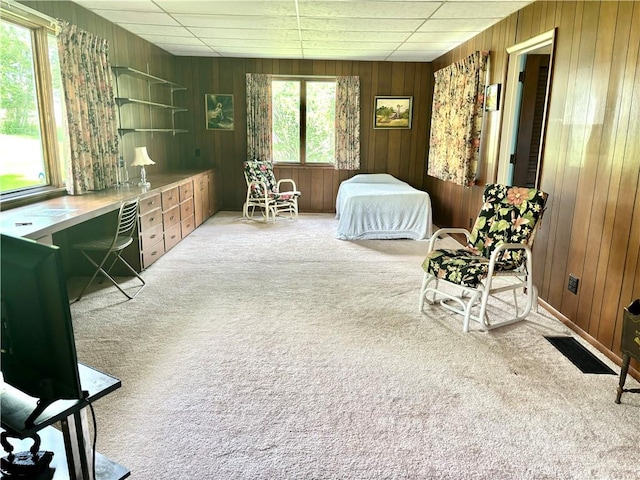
(347, 120)
(91, 114)
(456, 120)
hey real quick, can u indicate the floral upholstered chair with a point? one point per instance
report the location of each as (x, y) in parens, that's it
(498, 246)
(265, 194)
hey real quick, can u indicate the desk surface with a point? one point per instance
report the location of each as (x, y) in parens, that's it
(47, 217)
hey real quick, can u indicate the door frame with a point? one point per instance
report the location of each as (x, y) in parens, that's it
(510, 116)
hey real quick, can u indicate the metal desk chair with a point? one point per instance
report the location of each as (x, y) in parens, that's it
(112, 246)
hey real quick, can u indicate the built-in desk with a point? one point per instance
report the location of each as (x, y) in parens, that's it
(66, 216)
(42, 219)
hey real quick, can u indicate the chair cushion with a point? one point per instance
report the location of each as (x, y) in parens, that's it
(259, 171)
(508, 215)
(462, 267)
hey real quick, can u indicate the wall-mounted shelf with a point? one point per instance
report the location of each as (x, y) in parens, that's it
(130, 93)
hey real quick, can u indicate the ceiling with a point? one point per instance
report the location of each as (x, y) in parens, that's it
(374, 30)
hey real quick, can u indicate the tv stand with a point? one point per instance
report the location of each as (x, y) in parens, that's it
(71, 447)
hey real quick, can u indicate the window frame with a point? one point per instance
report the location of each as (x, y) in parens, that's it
(40, 27)
(303, 79)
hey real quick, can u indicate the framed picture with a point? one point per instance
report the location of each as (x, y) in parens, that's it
(392, 112)
(492, 98)
(219, 111)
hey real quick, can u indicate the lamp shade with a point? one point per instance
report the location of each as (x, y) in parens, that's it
(141, 157)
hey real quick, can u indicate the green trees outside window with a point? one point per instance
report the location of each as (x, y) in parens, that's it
(303, 121)
(30, 91)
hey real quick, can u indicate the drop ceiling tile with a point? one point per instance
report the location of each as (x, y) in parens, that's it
(440, 46)
(153, 29)
(234, 51)
(474, 10)
(250, 44)
(230, 7)
(131, 5)
(448, 37)
(359, 24)
(324, 54)
(367, 9)
(190, 51)
(349, 36)
(221, 21)
(165, 39)
(414, 56)
(459, 25)
(359, 46)
(256, 34)
(121, 16)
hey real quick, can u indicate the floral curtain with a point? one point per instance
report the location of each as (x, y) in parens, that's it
(91, 112)
(347, 123)
(259, 143)
(456, 120)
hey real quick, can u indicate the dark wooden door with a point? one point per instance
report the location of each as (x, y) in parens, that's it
(530, 124)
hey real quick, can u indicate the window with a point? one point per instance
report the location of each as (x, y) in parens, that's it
(33, 138)
(304, 121)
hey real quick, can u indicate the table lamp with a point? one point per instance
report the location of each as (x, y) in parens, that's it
(140, 159)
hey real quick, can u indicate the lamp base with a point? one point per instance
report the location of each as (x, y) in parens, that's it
(143, 178)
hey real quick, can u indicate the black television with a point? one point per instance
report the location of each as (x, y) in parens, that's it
(38, 345)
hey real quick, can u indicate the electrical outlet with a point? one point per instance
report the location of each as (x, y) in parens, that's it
(572, 286)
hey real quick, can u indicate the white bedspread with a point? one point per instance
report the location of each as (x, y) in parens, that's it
(379, 206)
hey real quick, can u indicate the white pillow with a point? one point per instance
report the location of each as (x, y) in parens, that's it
(374, 178)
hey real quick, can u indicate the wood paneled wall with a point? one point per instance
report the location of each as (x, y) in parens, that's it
(591, 162)
(128, 50)
(399, 152)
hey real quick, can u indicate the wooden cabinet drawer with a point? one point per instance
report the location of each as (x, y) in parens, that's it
(186, 190)
(170, 198)
(171, 217)
(152, 254)
(150, 236)
(186, 209)
(150, 220)
(149, 203)
(171, 237)
(188, 225)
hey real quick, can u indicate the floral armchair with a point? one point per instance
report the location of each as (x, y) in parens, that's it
(498, 246)
(264, 193)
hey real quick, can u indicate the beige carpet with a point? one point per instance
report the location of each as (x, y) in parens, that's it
(279, 352)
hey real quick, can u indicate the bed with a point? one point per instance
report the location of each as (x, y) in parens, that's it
(380, 206)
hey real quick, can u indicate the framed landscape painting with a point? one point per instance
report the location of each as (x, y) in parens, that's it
(219, 111)
(392, 112)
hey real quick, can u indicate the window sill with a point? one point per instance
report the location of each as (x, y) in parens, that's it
(328, 166)
(20, 199)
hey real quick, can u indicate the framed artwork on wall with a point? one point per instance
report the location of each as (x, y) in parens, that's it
(392, 112)
(219, 111)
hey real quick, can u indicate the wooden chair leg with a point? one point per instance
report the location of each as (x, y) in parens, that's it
(626, 359)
